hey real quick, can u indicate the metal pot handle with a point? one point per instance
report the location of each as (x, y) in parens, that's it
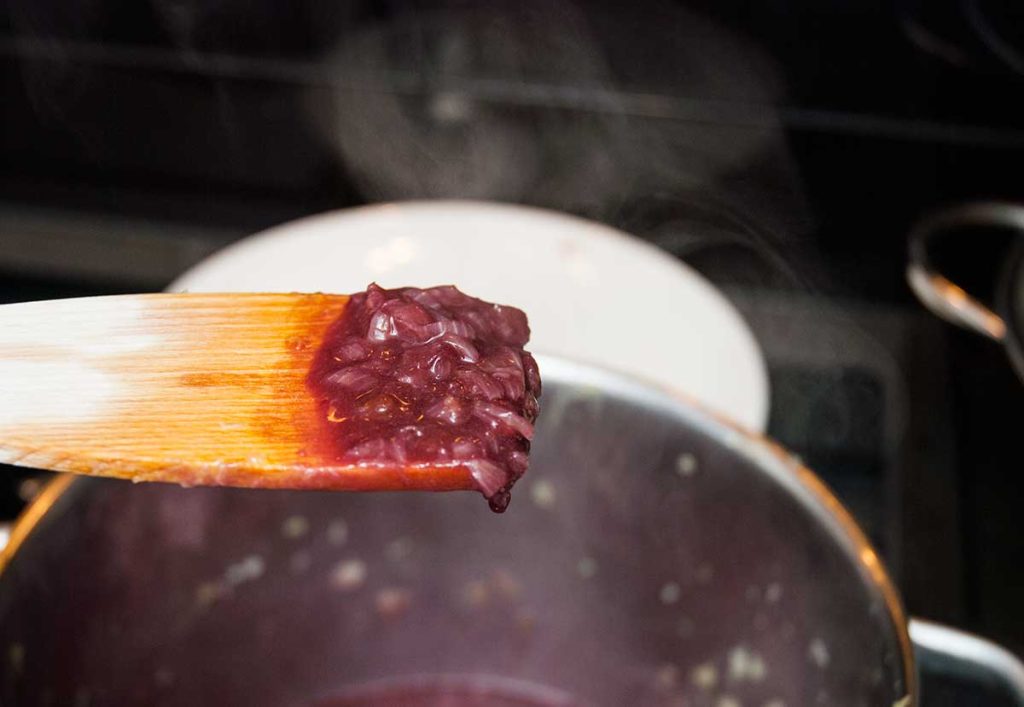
(947, 651)
(939, 294)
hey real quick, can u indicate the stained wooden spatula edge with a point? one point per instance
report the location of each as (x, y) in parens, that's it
(195, 389)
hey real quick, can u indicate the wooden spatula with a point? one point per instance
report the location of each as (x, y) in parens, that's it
(197, 389)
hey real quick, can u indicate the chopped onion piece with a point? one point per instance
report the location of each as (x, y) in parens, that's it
(430, 377)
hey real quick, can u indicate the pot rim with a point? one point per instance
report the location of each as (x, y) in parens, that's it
(769, 456)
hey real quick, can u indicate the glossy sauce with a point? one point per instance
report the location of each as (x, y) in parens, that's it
(429, 377)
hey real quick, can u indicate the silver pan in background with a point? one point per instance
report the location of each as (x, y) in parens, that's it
(1003, 323)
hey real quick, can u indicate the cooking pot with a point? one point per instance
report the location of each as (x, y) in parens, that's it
(654, 555)
(948, 300)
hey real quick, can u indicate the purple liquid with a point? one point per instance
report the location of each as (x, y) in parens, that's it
(430, 377)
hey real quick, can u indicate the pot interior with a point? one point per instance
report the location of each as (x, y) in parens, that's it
(651, 556)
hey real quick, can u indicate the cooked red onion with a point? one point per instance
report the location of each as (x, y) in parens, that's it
(427, 377)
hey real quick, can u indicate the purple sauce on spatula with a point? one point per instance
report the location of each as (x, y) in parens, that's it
(430, 377)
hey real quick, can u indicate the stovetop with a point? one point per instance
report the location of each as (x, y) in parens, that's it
(783, 149)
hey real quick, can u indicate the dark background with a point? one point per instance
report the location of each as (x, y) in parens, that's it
(784, 148)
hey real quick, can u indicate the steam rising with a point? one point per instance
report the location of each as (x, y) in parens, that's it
(545, 103)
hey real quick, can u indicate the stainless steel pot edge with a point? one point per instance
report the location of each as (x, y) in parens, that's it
(31, 516)
(782, 466)
(968, 655)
